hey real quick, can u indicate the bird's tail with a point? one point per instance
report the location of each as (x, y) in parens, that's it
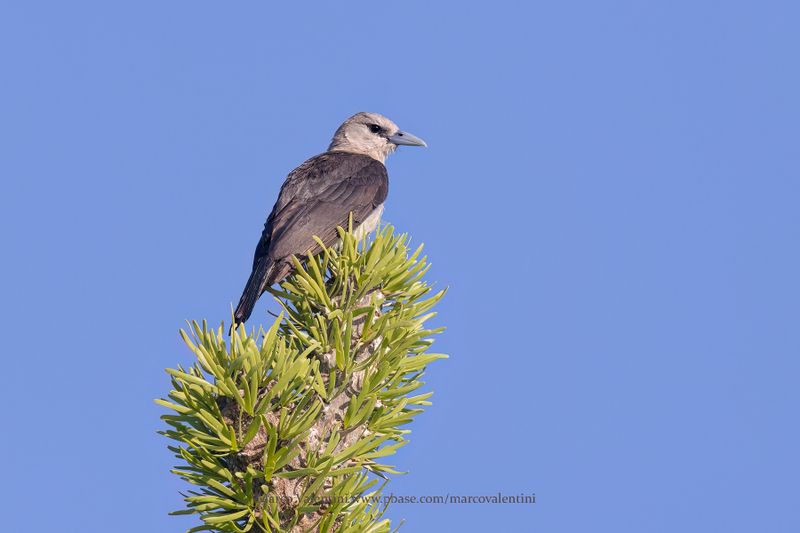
(253, 289)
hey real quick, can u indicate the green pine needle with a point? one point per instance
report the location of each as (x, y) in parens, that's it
(279, 430)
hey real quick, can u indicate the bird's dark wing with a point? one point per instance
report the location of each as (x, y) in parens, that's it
(334, 186)
(316, 197)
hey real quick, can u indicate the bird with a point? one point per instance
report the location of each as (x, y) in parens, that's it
(349, 179)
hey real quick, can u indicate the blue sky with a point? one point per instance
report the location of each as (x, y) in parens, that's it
(610, 192)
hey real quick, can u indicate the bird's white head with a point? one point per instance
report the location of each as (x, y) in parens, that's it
(371, 134)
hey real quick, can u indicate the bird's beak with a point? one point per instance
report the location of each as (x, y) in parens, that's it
(407, 139)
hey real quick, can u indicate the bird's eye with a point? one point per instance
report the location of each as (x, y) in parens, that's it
(374, 128)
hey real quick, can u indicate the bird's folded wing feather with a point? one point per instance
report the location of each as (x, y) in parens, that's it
(357, 185)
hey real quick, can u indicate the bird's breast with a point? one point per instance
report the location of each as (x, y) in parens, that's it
(370, 223)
